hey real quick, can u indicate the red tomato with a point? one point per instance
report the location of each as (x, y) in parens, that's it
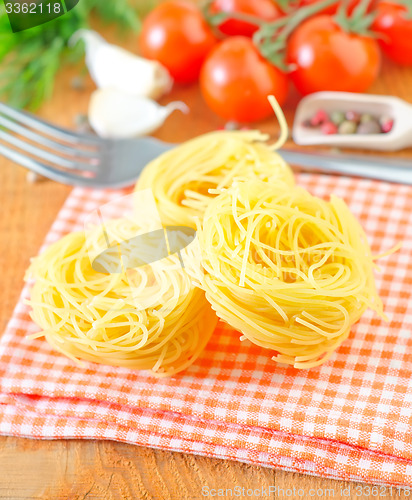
(176, 35)
(328, 58)
(396, 30)
(265, 10)
(235, 81)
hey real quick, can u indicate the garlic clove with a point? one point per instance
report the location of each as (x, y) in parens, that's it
(113, 67)
(113, 114)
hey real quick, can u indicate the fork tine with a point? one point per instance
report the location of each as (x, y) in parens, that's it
(45, 141)
(46, 155)
(43, 126)
(41, 169)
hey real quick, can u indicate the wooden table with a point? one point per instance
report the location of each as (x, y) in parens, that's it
(101, 469)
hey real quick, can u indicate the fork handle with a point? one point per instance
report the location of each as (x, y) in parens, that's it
(370, 167)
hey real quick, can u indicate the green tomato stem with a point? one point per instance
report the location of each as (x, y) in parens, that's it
(215, 20)
(304, 13)
(359, 21)
(408, 5)
(362, 7)
(271, 38)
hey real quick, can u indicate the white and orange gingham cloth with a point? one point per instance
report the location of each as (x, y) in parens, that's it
(348, 419)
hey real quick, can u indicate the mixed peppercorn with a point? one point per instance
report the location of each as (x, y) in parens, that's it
(349, 122)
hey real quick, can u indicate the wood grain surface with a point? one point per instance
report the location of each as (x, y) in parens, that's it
(33, 469)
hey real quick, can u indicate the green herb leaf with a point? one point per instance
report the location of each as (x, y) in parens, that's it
(30, 60)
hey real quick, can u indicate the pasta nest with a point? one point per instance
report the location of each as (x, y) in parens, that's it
(291, 271)
(181, 179)
(150, 317)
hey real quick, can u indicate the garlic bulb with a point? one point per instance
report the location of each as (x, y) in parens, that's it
(111, 66)
(117, 115)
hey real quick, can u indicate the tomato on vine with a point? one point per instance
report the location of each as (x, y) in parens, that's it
(323, 56)
(263, 10)
(394, 25)
(176, 35)
(235, 81)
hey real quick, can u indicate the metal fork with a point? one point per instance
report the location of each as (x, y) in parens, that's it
(87, 160)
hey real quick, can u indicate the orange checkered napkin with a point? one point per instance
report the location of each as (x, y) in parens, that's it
(348, 419)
